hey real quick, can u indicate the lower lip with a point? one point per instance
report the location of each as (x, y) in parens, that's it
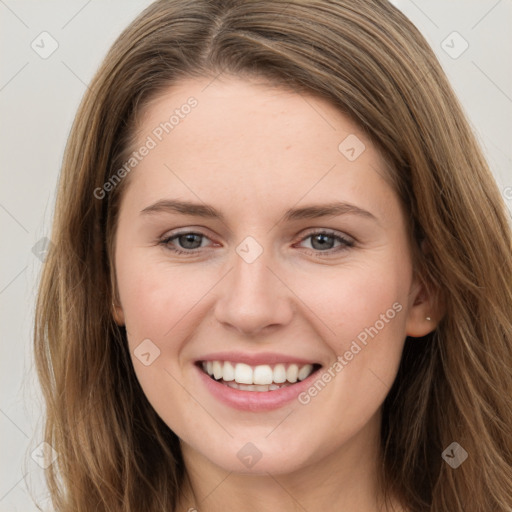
(255, 401)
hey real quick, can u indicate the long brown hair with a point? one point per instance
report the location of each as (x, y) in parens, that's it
(367, 59)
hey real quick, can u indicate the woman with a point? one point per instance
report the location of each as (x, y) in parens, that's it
(282, 273)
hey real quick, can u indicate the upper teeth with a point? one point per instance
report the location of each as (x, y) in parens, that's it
(261, 374)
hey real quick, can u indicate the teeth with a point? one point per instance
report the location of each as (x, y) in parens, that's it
(258, 378)
(217, 370)
(243, 374)
(292, 373)
(279, 374)
(228, 372)
(246, 387)
(253, 387)
(305, 371)
(263, 375)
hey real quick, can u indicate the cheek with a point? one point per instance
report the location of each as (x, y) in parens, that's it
(158, 302)
(155, 296)
(351, 298)
(366, 308)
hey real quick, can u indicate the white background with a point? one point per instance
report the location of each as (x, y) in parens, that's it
(38, 101)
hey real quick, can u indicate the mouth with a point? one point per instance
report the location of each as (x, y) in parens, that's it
(259, 378)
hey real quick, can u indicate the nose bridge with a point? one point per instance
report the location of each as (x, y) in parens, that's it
(252, 298)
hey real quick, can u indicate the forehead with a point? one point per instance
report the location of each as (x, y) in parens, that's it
(267, 145)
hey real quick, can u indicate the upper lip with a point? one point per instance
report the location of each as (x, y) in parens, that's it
(255, 359)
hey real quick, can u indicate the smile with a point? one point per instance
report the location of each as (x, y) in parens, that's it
(259, 378)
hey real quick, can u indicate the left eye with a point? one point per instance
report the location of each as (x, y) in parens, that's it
(321, 242)
(188, 241)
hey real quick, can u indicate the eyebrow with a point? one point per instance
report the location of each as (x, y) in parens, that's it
(293, 214)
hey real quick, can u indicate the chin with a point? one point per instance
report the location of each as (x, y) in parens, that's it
(259, 457)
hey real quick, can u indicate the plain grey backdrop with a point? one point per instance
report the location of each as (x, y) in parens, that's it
(50, 51)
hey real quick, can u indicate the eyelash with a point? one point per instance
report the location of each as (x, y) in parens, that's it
(346, 243)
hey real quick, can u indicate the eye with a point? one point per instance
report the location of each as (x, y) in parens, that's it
(188, 242)
(323, 242)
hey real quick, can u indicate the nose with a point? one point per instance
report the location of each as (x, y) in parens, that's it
(253, 299)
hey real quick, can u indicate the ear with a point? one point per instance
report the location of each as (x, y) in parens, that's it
(424, 312)
(118, 314)
(426, 307)
(117, 310)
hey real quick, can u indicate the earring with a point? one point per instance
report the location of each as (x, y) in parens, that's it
(428, 318)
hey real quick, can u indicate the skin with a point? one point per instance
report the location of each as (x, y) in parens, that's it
(253, 151)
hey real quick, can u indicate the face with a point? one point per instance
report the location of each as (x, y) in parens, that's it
(259, 241)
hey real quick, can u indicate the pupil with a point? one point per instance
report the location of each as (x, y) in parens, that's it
(321, 238)
(189, 238)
